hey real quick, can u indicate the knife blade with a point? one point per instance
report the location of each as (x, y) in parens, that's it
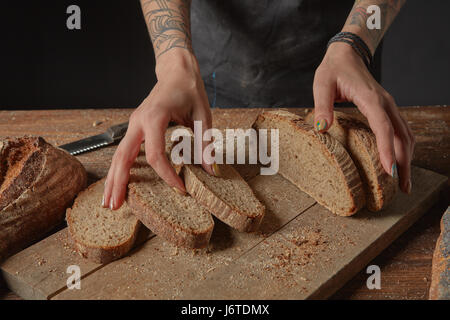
(110, 136)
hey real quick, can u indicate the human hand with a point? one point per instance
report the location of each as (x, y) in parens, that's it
(179, 96)
(343, 76)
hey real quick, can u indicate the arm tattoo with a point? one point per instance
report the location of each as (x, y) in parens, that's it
(168, 22)
(358, 17)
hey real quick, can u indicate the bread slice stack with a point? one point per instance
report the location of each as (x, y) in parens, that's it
(355, 135)
(102, 235)
(316, 163)
(341, 169)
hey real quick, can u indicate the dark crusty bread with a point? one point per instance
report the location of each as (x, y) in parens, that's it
(440, 271)
(228, 197)
(360, 142)
(317, 163)
(177, 218)
(100, 234)
(37, 183)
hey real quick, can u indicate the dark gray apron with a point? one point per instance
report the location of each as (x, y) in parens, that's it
(263, 53)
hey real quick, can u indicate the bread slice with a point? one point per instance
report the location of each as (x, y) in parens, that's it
(355, 135)
(177, 218)
(227, 197)
(97, 233)
(37, 183)
(317, 163)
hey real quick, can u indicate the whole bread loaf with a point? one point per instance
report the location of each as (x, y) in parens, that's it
(317, 163)
(356, 136)
(100, 234)
(37, 183)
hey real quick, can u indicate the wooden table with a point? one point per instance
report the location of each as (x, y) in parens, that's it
(405, 265)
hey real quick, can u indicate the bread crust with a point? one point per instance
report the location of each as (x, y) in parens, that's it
(235, 218)
(97, 254)
(28, 165)
(440, 271)
(41, 206)
(332, 149)
(176, 234)
(360, 142)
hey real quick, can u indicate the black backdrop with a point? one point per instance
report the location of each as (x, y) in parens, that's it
(109, 62)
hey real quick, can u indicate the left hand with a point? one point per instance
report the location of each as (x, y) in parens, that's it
(343, 76)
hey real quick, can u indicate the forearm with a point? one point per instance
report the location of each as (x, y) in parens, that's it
(168, 23)
(357, 20)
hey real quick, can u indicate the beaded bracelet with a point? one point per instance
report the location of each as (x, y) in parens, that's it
(357, 44)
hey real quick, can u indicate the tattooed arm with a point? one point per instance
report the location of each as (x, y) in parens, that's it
(343, 76)
(357, 20)
(179, 95)
(168, 24)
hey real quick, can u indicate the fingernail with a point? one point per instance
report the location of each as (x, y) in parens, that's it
(321, 125)
(111, 204)
(409, 187)
(394, 172)
(179, 191)
(103, 201)
(215, 169)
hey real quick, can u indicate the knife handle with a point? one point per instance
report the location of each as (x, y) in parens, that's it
(118, 131)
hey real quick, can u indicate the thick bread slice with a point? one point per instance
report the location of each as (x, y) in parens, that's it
(360, 142)
(97, 233)
(177, 218)
(317, 163)
(38, 182)
(228, 197)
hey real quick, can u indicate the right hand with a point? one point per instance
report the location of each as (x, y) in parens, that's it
(179, 96)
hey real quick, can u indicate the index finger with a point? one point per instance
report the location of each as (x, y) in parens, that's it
(156, 155)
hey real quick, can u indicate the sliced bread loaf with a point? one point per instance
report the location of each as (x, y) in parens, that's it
(99, 234)
(177, 218)
(317, 163)
(361, 144)
(228, 197)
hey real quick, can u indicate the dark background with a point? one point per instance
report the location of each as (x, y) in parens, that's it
(109, 62)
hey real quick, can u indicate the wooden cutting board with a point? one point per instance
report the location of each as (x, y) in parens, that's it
(302, 251)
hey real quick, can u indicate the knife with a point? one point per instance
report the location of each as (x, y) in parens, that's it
(112, 135)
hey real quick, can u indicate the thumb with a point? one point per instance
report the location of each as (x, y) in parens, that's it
(324, 95)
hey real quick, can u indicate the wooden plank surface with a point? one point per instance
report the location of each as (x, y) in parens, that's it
(406, 265)
(40, 271)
